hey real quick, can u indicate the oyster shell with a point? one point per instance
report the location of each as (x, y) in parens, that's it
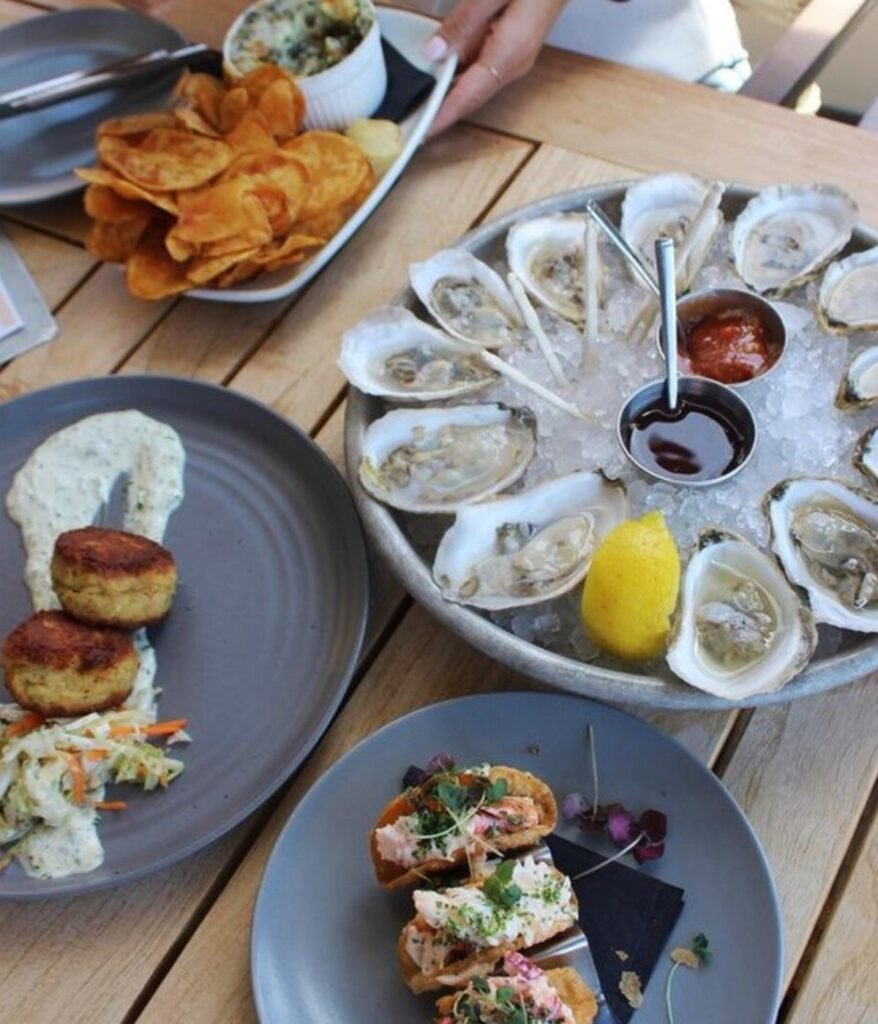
(825, 534)
(848, 296)
(665, 204)
(866, 455)
(394, 354)
(786, 233)
(436, 460)
(741, 629)
(859, 386)
(529, 547)
(467, 298)
(547, 254)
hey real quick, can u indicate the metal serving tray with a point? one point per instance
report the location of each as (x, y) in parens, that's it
(391, 532)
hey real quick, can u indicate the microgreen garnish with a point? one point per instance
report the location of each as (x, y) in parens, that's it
(693, 956)
(643, 836)
(500, 889)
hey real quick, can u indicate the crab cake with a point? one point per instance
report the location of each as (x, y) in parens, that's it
(59, 667)
(112, 578)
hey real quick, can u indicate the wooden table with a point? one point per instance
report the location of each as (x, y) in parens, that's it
(174, 947)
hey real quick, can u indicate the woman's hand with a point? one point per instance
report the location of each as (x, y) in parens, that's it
(499, 41)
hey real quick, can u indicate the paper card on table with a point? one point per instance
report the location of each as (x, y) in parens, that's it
(10, 319)
(32, 319)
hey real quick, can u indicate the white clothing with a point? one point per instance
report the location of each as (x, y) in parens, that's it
(694, 40)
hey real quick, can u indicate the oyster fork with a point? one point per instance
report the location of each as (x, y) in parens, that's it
(570, 948)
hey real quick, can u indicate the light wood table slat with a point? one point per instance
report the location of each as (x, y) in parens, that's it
(802, 774)
(64, 217)
(11, 13)
(453, 181)
(205, 340)
(655, 123)
(842, 983)
(98, 327)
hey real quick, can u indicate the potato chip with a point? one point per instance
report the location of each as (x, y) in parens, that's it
(284, 107)
(251, 134)
(200, 271)
(167, 159)
(203, 94)
(136, 124)
(226, 210)
(115, 240)
(338, 169)
(323, 225)
(233, 106)
(239, 204)
(194, 121)
(178, 248)
(277, 170)
(291, 249)
(102, 203)
(226, 247)
(242, 271)
(276, 206)
(126, 189)
(150, 273)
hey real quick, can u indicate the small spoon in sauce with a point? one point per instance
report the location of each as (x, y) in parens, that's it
(664, 261)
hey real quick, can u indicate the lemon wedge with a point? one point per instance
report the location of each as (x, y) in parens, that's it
(631, 589)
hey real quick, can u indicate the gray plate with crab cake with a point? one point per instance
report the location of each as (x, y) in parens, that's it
(266, 626)
(323, 944)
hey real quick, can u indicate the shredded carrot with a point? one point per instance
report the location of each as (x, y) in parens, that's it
(27, 723)
(77, 774)
(159, 729)
(111, 805)
(95, 754)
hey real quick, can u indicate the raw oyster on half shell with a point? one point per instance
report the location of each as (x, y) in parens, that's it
(825, 534)
(393, 354)
(848, 298)
(858, 389)
(436, 460)
(529, 547)
(467, 298)
(787, 233)
(866, 455)
(666, 204)
(740, 629)
(547, 254)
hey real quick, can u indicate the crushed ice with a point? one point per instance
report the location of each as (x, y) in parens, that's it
(801, 433)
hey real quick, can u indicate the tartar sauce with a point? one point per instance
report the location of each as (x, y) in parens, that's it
(63, 486)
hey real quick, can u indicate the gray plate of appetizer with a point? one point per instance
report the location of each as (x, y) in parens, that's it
(49, 143)
(325, 935)
(252, 659)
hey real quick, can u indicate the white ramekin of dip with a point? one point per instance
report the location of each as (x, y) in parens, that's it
(354, 87)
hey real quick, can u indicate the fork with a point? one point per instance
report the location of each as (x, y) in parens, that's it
(570, 948)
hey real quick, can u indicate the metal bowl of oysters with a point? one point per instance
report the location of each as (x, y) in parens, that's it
(486, 469)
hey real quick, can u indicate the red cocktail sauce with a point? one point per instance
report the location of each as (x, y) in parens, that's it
(730, 346)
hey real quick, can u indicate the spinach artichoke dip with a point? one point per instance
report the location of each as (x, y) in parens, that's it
(303, 36)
